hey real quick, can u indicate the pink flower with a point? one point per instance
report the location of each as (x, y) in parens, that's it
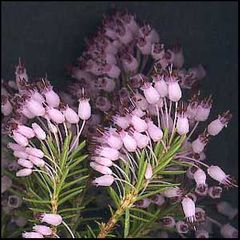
(161, 87)
(70, 115)
(109, 153)
(35, 152)
(36, 161)
(151, 94)
(155, 132)
(40, 134)
(15, 147)
(148, 173)
(214, 192)
(20, 154)
(100, 168)
(105, 180)
(139, 124)
(188, 206)
(122, 122)
(35, 107)
(24, 172)
(182, 125)
(25, 163)
(6, 106)
(141, 139)
(52, 219)
(84, 109)
(55, 115)
(20, 139)
(52, 98)
(44, 230)
(25, 131)
(217, 174)
(174, 91)
(128, 141)
(103, 161)
(32, 235)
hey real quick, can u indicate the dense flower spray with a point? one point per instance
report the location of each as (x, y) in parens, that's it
(129, 99)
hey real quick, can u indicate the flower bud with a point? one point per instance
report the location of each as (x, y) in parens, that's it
(52, 127)
(53, 219)
(20, 139)
(139, 124)
(15, 147)
(151, 94)
(36, 161)
(228, 231)
(182, 125)
(155, 132)
(55, 115)
(35, 107)
(40, 134)
(103, 161)
(114, 141)
(215, 127)
(122, 122)
(128, 141)
(25, 131)
(100, 168)
(217, 174)
(6, 106)
(24, 172)
(25, 163)
(148, 173)
(174, 91)
(141, 139)
(84, 109)
(188, 206)
(140, 101)
(109, 153)
(198, 145)
(161, 87)
(32, 235)
(52, 98)
(20, 154)
(172, 192)
(70, 115)
(199, 177)
(105, 180)
(44, 230)
(35, 152)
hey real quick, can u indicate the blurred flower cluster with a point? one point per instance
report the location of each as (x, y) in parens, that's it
(145, 135)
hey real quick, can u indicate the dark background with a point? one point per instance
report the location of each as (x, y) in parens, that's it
(50, 35)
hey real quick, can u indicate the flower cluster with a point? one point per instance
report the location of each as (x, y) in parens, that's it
(145, 143)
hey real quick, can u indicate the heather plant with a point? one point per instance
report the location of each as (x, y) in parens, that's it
(136, 151)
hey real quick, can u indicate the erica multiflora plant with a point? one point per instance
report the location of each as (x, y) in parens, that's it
(148, 149)
(143, 139)
(45, 136)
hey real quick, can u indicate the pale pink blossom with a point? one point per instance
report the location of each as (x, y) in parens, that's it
(53, 219)
(105, 180)
(24, 172)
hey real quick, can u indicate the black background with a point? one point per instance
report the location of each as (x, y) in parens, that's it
(50, 35)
